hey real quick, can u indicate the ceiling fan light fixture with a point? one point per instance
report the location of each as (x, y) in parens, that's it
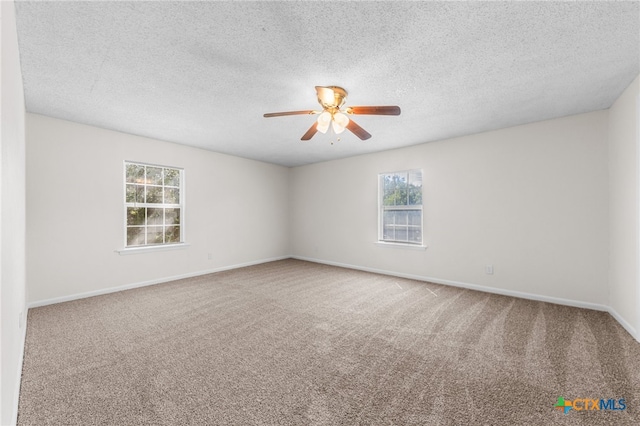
(324, 120)
(340, 122)
(332, 98)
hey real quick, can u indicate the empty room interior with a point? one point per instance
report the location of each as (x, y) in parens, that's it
(319, 213)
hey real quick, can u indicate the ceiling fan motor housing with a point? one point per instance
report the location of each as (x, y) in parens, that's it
(331, 97)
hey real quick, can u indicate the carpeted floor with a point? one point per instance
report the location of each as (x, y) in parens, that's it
(298, 343)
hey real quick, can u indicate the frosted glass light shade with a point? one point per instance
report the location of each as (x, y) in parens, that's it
(323, 122)
(340, 122)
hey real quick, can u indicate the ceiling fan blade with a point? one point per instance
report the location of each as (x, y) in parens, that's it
(280, 114)
(357, 130)
(374, 110)
(312, 131)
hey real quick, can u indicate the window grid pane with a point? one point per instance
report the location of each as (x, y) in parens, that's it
(401, 207)
(153, 205)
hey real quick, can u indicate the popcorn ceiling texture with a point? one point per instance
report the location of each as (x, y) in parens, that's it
(298, 343)
(203, 73)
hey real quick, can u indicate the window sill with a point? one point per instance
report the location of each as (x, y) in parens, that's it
(147, 249)
(401, 246)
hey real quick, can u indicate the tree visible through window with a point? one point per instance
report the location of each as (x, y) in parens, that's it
(401, 207)
(153, 203)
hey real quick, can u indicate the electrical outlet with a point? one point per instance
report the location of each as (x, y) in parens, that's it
(210, 256)
(488, 269)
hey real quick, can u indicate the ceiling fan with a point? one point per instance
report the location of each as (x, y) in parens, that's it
(332, 98)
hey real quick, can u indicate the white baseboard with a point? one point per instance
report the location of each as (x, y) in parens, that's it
(522, 295)
(624, 323)
(504, 292)
(77, 296)
(23, 338)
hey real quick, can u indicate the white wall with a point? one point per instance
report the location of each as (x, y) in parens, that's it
(624, 187)
(12, 216)
(237, 210)
(530, 200)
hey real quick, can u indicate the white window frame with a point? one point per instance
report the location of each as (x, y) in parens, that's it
(129, 249)
(382, 208)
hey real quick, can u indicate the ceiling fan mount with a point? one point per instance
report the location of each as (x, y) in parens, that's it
(332, 100)
(331, 97)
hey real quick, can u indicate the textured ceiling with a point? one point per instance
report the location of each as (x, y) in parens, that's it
(203, 73)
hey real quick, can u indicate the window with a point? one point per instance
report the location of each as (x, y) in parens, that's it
(400, 199)
(153, 205)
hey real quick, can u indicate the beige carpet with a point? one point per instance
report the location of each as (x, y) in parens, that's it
(298, 343)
